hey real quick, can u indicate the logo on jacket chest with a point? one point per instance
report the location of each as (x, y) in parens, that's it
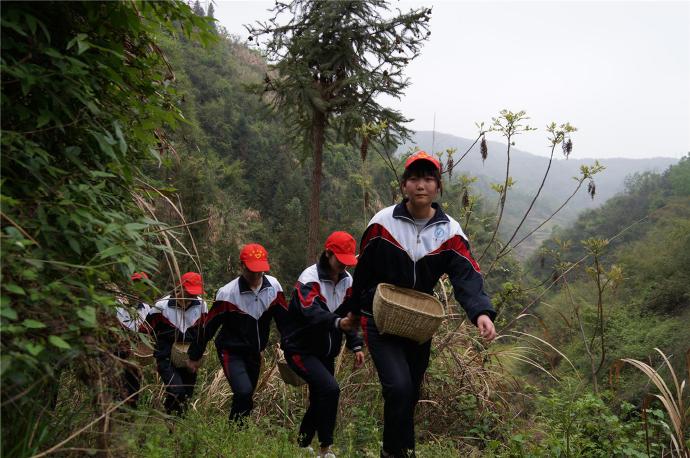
(439, 233)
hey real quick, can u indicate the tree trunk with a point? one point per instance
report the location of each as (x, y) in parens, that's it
(318, 128)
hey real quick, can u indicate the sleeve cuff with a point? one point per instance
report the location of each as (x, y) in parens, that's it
(490, 313)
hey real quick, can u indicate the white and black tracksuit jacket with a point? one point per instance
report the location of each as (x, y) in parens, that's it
(394, 250)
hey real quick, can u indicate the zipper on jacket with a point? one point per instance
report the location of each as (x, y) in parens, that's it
(419, 240)
(329, 344)
(416, 248)
(258, 336)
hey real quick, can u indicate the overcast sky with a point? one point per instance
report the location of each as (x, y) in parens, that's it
(618, 71)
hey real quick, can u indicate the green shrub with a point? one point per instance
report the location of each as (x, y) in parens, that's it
(579, 423)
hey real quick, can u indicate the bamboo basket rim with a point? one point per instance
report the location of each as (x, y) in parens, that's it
(408, 313)
(428, 297)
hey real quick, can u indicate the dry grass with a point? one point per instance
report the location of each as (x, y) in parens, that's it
(464, 381)
(673, 400)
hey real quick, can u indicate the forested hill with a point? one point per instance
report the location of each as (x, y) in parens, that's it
(637, 245)
(524, 165)
(526, 170)
(648, 220)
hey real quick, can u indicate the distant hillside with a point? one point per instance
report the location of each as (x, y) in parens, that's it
(648, 228)
(527, 170)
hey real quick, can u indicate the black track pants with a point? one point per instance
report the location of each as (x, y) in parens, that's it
(401, 364)
(179, 386)
(131, 377)
(324, 394)
(131, 382)
(242, 371)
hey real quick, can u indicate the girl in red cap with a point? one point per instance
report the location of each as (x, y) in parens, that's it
(311, 335)
(132, 319)
(242, 310)
(177, 320)
(411, 245)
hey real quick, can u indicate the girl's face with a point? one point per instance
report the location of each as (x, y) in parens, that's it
(253, 278)
(336, 266)
(421, 191)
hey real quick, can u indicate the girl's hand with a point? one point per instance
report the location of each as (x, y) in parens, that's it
(359, 359)
(348, 323)
(486, 328)
(193, 365)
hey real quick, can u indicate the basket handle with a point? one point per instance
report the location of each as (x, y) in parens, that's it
(444, 302)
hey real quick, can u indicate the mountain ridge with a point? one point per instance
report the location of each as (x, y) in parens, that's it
(527, 170)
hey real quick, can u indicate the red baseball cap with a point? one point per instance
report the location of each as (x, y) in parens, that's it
(422, 156)
(343, 246)
(192, 283)
(139, 276)
(255, 257)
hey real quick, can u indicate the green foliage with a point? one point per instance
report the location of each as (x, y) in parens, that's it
(362, 432)
(678, 177)
(570, 423)
(627, 215)
(83, 89)
(508, 301)
(638, 247)
(200, 434)
(659, 265)
(338, 58)
(581, 424)
(510, 124)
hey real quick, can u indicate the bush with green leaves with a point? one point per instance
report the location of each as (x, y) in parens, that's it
(85, 90)
(579, 423)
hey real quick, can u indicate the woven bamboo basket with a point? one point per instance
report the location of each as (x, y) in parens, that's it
(406, 312)
(142, 353)
(178, 355)
(288, 375)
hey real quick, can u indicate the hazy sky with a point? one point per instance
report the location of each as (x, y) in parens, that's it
(618, 71)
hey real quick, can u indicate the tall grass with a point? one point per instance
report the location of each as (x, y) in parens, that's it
(674, 401)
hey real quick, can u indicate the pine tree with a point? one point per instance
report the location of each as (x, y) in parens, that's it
(209, 15)
(332, 61)
(198, 10)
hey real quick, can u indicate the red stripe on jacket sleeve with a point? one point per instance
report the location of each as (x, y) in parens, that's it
(158, 318)
(377, 231)
(220, 307)
(460, 247)
(313, 290)
(280, 300)
(365, 332)
(297, 359)
(145, 327)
